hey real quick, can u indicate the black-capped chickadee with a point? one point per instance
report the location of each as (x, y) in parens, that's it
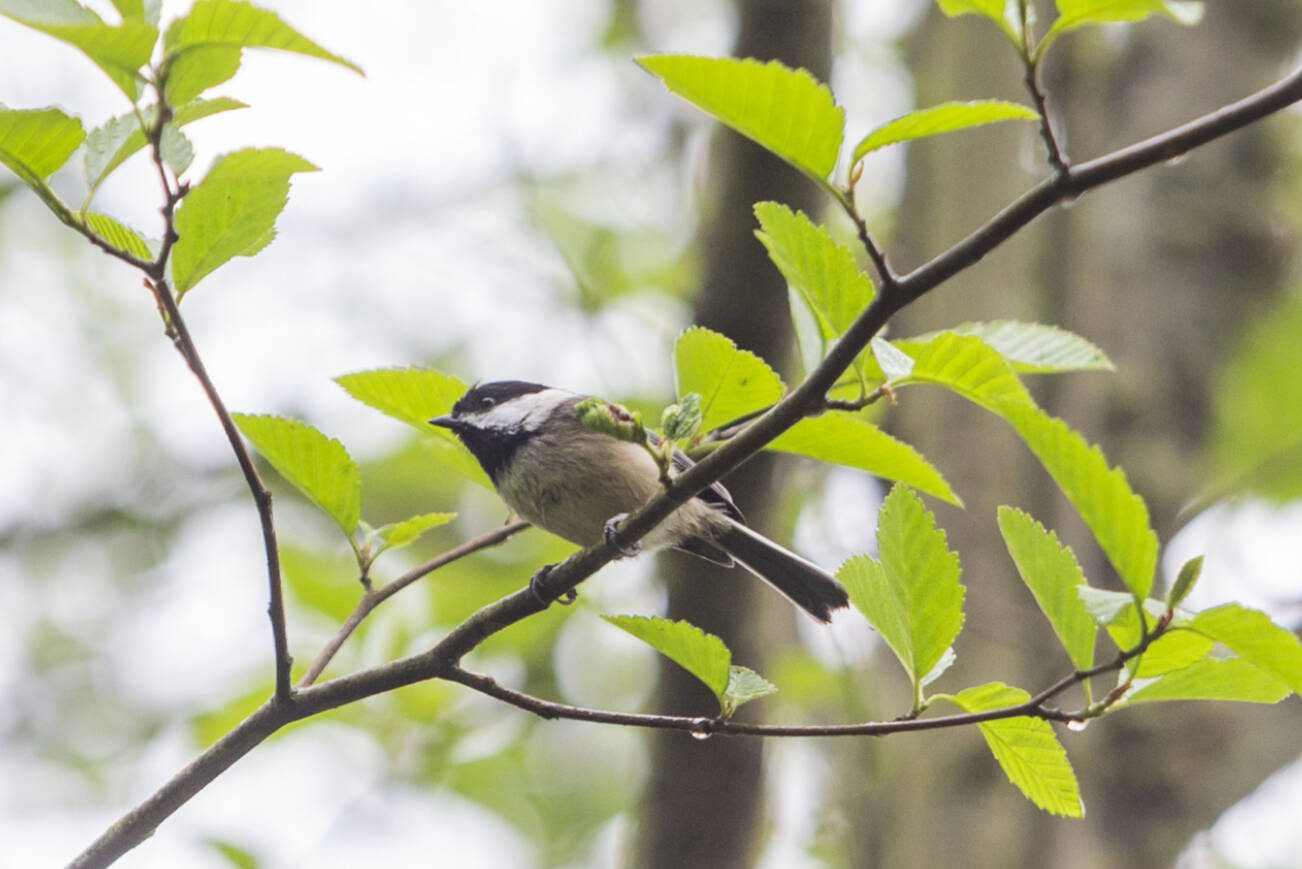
(563, 477)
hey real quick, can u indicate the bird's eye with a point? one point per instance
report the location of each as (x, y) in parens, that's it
(487, 402)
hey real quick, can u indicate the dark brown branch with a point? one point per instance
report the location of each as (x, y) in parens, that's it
(373, 597)
(443, 658)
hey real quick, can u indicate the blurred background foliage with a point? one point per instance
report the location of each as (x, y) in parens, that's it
(508, 196)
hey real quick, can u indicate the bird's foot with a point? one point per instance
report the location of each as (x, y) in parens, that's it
(544, 593)
(613, 537)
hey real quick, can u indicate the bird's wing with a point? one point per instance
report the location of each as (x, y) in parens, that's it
(716, 495)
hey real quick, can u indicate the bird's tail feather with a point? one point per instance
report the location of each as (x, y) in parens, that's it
(808, 586)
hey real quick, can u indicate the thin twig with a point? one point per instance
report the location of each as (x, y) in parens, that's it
(373, 597)
(886, 277)
(184, 343)
(1032, 708)
(1031, 65)
(441, 659)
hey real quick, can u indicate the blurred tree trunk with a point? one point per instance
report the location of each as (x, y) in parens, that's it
(1159, 269)
(703, 803)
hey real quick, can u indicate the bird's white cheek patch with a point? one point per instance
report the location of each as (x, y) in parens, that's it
(526, 413)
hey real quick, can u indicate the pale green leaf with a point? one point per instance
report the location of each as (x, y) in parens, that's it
(821, 269)
(1079, 13)
(232, 211)
(318, 466)
(701, 654)
(912, 596)
(848, 440)
(1053, 575)
(242, 25)
(120, 236)
(944, 118)
(1032, 348)
(1117, 517)
(896, 365)
(176, 150)
(1003, 13)
(415, 396)
(108, 146)
(398, 534)
(120, 50)
(1103, 606)
(1252, 636)
(731, 382)
(1027, 749)
(1212, 679)
(744, 685)
(36, 142)
(785, 110)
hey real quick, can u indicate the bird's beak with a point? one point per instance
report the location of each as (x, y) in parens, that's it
(447, 422)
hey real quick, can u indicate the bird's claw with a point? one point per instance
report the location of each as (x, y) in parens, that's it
(544, 594)
(613, 537)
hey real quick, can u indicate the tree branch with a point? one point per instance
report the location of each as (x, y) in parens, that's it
(373, 597)
(442, 660)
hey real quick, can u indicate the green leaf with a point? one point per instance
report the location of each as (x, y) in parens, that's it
(120, 50)
(848, 440)
(120, 236)
(1184, 582)
(108, 146)
(944, 118)
(912, 596)
(415, 396)
(1212, 679)
(232, 211)
(1174, 650)
(785, 110)
(822, 271)
(239, 24)
(1078, 13)
(701, 654)
(1027, 750)
(1053, 575)
(730, 381)
(198, 69)
(1117, 517)
(1252, 636)
(1003, 13)
(1031, 348)
(968, 366)
(142, 10)
(744, 685)
(34, 143)
(398, 534)
(318, 466)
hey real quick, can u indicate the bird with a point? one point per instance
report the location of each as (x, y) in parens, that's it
(578, 483)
